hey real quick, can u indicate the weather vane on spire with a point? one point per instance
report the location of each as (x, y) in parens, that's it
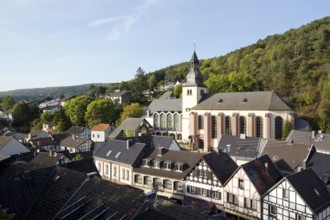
(194, 45)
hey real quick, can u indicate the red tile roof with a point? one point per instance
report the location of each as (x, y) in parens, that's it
(100, 127)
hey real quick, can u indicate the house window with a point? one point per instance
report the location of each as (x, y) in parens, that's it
(203, 192)
(138, 179)
(285, 194)
(189, 92)
(162, 121)
(272, 210)
(98, 136)
(254, 204)
(214, 127)
(177, 122)
(127, 174)
(178, 186)
(167, 165)
(191, 189)
(231, 198)
(147, 180)
(99, 165)
(169, 121)
(167, 184)
(200, 122)
(278, 127)
(178, 167)
(242, 125)
(202, 173)
(241, 184)
(216, 195)
(115, 171)
(227, 125)
(107, 169)
(250, 204)
(156, 121)
(146, 163)
(300, 217)
(93, 135)
(156, 164)
(259, 127)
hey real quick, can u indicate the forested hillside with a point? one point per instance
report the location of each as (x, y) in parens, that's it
(295, 64)
(55, 92)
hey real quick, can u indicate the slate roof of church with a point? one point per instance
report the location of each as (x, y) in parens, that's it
(265, 100)
(163, 105)
(194, 76)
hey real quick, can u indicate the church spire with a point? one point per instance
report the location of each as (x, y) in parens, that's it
(194, 77)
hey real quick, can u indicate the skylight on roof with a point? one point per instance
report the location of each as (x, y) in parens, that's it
(109, 152)
(317, 192)
(118, 154)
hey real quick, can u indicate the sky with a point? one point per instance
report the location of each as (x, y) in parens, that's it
(46, 43)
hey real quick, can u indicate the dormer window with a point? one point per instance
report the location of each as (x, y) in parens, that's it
(178, 167)
(220, 100)
(167, 165)
(156, 164)
(244, 100)
(146, 163)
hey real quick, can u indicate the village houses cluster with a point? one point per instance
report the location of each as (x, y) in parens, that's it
(219, 154)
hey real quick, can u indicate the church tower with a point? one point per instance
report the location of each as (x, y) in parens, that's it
(192, 92)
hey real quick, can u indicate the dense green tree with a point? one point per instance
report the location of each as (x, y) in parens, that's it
(138, 85)
(44, 117)
(177, 90)
(133, 110)
(287, 129)
(23, 115)
(100, 111)
(7, 103)
(61, 120)
(76, 109)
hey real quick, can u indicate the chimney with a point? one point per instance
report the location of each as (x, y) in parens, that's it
(160, 151)
(228, 149)
(313, 134)
(73, 137)
(304, 164)
(129, 143)
(50, 152)
(266, 168)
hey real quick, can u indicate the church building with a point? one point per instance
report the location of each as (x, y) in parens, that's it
(207, 116)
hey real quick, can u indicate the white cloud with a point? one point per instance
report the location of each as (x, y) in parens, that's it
(123, 24)
(102, 21)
